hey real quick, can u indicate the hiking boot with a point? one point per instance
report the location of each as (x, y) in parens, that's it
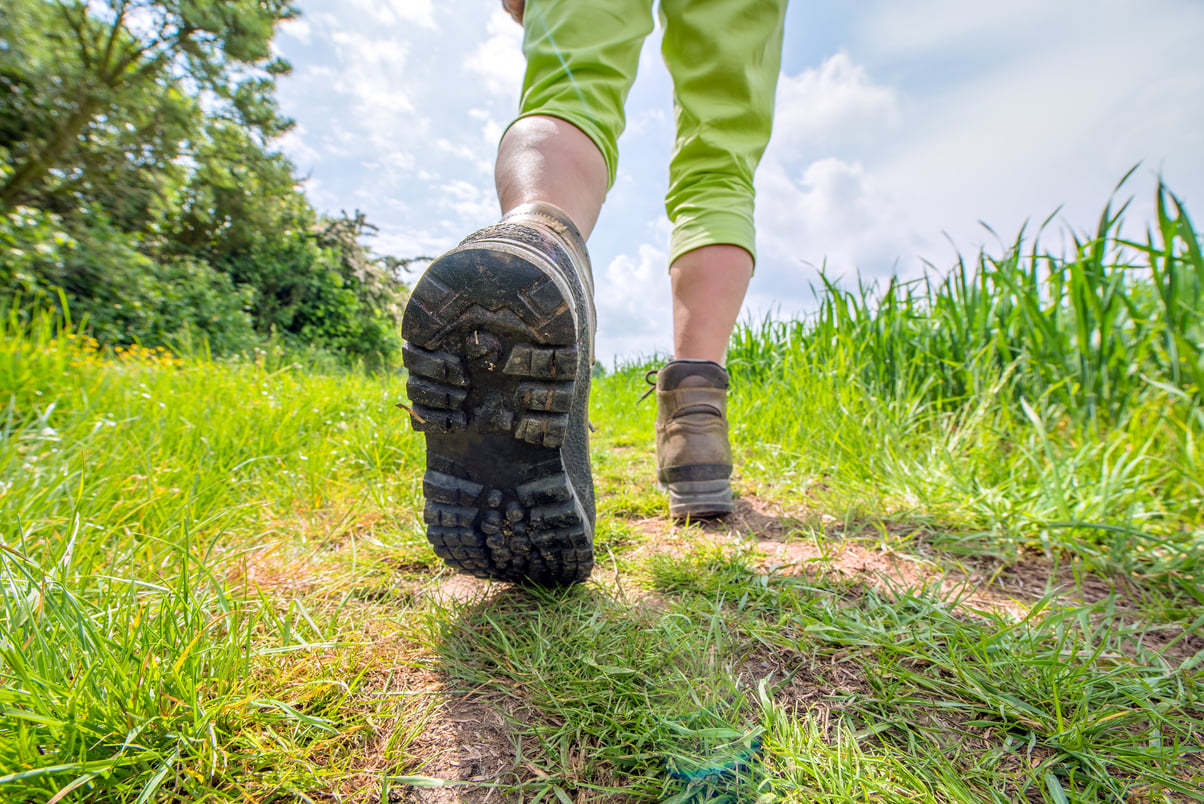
(499, 347)
(693, 456)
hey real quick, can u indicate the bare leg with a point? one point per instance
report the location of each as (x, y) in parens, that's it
(547, 159)
(709, 284)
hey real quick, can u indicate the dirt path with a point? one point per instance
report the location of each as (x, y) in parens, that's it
(465, 737)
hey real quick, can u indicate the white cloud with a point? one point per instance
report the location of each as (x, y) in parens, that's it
(648, 121)
(491, 132)
(996, 116)
(499, 59)
(833, 103)
(491, 128)
(634, 309)
(470, 201)
(412, 241)
(318, 195)
(817, 205)
(1053, 122)
(389, 168)
(373, 72)
(391, 12)
(298, 28)
(294, 146)
(467, 154)
(931, 27)
(834, 216)
(421, 12)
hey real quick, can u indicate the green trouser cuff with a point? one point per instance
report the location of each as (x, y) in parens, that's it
(724, 57)
(710, 227)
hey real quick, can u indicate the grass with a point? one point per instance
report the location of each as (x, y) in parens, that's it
(966, 567)
(1038, 398)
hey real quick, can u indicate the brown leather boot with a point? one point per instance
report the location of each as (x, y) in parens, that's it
(693, 456)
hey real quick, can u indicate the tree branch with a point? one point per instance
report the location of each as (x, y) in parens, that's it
(77, 25)
(118, 24)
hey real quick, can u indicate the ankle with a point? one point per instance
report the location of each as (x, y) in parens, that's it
(690, 373)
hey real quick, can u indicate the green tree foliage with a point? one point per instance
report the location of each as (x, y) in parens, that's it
(313, 281)
(138, 181)
(86, 75)
(126, 295)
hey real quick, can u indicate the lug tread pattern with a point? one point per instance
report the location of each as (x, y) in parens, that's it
(542, 430)
(530, 534)
(439, 366)
(543, 363)
(437, 387)
(547, 397)
(435, 395)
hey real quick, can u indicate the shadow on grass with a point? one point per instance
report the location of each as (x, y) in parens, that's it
(601, 700)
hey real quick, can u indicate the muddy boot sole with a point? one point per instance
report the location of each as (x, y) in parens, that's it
(500, 386)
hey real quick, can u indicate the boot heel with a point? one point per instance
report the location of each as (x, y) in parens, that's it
(700, 499)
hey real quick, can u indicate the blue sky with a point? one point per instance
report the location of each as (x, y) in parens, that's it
(901, 125)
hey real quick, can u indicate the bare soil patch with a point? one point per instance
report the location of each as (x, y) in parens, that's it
(833, 558)
(810, 544)
(466, 740)
(467, 737)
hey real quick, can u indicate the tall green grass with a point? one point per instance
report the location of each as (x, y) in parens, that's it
(1089, 332)
(133, 486)
(1054, 400)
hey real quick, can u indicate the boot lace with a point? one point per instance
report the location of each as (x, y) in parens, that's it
(650, 378)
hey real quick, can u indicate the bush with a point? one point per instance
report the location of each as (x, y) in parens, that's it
(123, 295)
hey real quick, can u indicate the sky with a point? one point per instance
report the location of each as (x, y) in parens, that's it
(902, 127)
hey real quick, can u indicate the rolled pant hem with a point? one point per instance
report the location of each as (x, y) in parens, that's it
(589, 128)
(712, 228)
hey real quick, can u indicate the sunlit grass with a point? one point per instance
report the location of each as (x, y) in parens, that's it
(1037, 399)
(132, 482)
(214, 584)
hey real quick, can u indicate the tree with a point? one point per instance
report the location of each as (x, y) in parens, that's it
(138, 182)
(77, 75)
(314, 281)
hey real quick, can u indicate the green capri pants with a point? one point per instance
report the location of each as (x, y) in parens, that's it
(724, 57)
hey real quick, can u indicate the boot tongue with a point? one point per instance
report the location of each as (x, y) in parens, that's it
(692, 374)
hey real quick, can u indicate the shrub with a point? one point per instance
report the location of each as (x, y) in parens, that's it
(123, 295)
